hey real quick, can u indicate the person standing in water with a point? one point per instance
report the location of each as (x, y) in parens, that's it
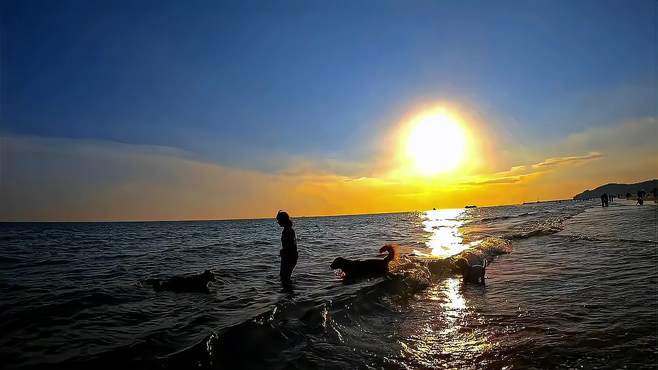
(288, 251)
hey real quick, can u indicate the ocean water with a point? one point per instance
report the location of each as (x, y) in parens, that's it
(578, 289)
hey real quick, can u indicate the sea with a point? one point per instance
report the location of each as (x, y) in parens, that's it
(569, 285)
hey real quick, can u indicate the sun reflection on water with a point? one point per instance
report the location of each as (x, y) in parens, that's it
(450, 332)
(445, 237)
(457, 339)
(454, 299)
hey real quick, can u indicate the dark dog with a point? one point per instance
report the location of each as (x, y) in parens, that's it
(193, 283)
(354, 269)
(471, 273)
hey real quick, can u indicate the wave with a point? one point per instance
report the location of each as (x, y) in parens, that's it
(261, 340)
(495, 218)
(532, 233)
(487, 249)
(620, 240)
(507, 217)
(542, 227)
(45, 262)
(65, 306)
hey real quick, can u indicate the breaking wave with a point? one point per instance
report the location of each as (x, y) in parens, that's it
(312, 326)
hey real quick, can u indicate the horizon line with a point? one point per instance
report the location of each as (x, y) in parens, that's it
(265, 218)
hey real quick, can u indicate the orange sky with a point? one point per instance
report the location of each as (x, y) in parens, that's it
(99, 180)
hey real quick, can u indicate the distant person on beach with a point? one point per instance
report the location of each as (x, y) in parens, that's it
(640, 197)
(288, 251)
(604, 200)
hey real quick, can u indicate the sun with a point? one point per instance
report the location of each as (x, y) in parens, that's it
(436, 143)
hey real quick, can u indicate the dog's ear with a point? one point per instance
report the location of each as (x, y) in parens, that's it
(209, 275)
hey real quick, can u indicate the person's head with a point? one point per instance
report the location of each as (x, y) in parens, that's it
(283, 219)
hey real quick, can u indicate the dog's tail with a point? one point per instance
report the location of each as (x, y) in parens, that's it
(392, 251)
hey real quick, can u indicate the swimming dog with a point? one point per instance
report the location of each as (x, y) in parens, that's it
(471, 273)
(192, 283)
(354, 269)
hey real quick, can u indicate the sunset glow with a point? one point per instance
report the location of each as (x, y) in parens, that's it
(436, 143)
(406, 107)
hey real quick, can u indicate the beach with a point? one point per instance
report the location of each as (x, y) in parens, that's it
(578, 289)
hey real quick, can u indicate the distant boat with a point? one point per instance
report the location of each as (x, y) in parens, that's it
(471, 206)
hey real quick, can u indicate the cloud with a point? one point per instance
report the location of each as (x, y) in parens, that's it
(552, 162)
(499, 180)
(517, 174)
(623, 152)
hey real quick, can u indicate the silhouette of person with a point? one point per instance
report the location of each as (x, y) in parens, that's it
(288, 251)
(640, 197)
(604, 200)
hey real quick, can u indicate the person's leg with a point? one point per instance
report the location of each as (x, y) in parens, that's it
(286, 268)
(293, 263)
(282, 269)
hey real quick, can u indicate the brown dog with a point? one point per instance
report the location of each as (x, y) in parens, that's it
(354, 269)
(471, 273)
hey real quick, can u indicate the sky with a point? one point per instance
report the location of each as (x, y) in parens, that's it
(159, 110)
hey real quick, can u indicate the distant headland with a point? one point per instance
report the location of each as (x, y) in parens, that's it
(619, 190)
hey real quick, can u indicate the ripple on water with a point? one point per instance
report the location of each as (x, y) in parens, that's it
(578, 290)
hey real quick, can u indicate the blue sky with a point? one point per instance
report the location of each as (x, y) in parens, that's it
(240, 82)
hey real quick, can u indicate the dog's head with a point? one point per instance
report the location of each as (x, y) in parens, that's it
(462, 264)
(338, 263)
(208, 276)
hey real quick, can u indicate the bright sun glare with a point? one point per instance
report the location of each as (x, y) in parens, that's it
(436, 143)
